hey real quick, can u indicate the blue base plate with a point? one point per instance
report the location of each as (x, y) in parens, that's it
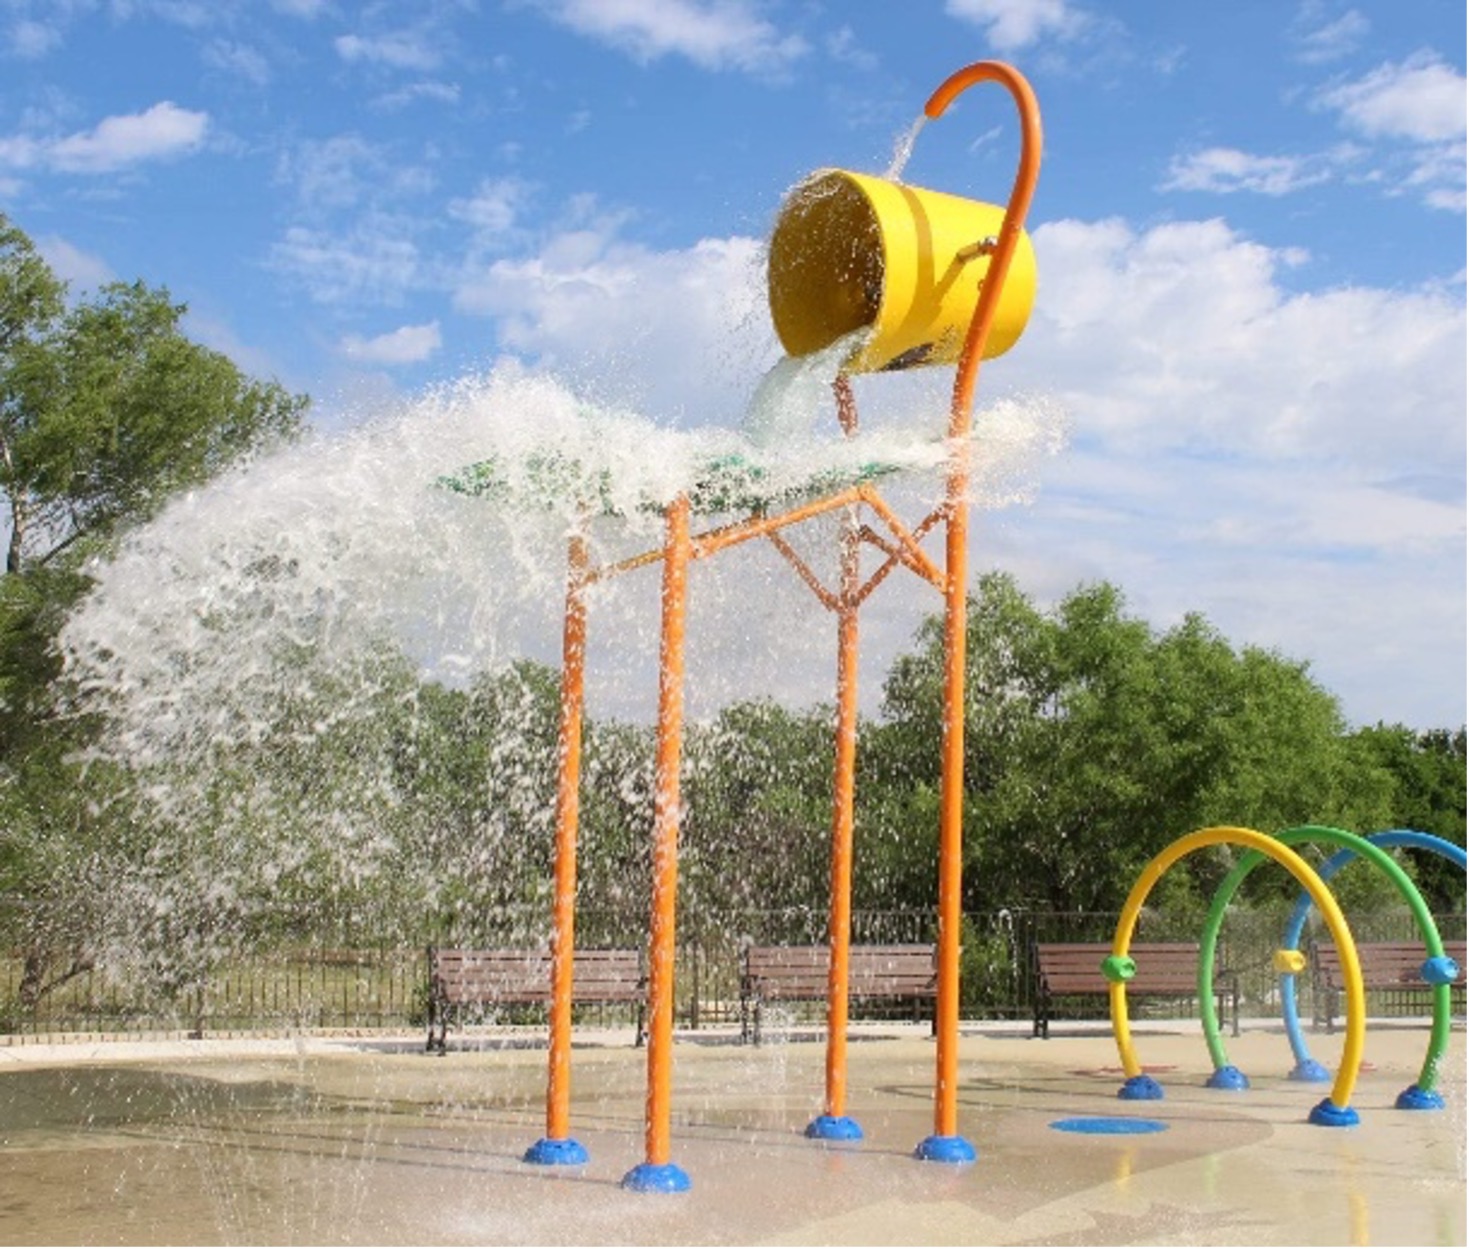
(1414, 1098)
(1230, 1078)
(1327, 1114)
(834, 1128)
(944, 1149)
(648, 1177)
(1309, 1071)
(1141, 1088)
(549, 1153)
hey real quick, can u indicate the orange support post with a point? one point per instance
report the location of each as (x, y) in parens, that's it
(557, 1147)
(945, 1145)
(835, 1124)
(656, 1172)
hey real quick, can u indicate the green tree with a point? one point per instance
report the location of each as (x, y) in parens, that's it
(106, 409)
(1091, 743)
(31, 302)
(756, 833)
(1428, 774)
(111, 410)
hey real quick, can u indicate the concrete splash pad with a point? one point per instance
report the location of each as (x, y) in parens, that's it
(369, 1141)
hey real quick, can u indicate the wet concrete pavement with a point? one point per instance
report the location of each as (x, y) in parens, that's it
(369, 1141)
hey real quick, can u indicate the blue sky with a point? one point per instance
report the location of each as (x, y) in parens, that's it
(1250, 230)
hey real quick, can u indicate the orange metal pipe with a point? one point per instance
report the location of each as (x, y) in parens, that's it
(568, 811)
(661, 947)
(803, 570)
(844, 776)
(951, 800)
(714, 540)
(908, 551)
(759, 526)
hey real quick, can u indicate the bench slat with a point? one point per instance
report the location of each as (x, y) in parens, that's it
(1164, 969)
(511, 977)
(800, 973)
(1395, 965)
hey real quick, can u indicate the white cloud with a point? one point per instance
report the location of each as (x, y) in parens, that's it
(1410, 122)
(31, 40)
(1183, 336)
(1226, 169)
(408, 344)
(346, 171)
(1415, 110)
(843, 46)
(331, 173)
(73, 265)
(1322, 41)
(163, 131)
(440, 92)
(1013, 24)
(1421, 99)
(494, 207)
(216, 333)
(239, 59)
(192, 14)
(403, 49)
(679, 335)
(714, 34)
(373, 263)
(1291, 464)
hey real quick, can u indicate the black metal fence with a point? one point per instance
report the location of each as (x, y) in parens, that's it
(348, 983)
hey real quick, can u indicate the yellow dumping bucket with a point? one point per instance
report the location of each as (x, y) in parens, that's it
(854, 252)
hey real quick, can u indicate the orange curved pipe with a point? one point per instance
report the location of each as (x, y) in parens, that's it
(951, 791)
(1016, 209)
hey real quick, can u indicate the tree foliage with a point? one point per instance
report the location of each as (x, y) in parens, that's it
(1091, 743)
(1428, 770)
(106, 409)
(370, 798)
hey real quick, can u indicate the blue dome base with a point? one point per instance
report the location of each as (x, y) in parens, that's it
(1414, 1098)
(1309, 1071)
(649, 1177)
(834, 1128)
(1327, 1114)
(1141, 1088)
(552, 1153)
(1231, 1078)
(944, 1149)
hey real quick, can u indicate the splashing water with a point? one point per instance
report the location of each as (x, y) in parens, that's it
(903, 150)
(255, 642)
(340, 543)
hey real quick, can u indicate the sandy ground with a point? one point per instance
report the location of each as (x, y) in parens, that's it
(367, 1140)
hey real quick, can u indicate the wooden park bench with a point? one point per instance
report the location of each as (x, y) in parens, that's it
(794, 973)
(487, 979)
(1394, 965)
(1165, 969)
